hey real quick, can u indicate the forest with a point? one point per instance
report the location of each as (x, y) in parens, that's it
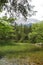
(20, 33)
(21, 41)
(20, 44)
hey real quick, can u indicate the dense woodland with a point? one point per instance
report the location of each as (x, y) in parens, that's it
(20, 33)
(20, 44)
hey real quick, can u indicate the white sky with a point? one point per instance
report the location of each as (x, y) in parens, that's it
(38, 7)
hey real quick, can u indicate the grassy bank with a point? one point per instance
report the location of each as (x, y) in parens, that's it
(22, 50)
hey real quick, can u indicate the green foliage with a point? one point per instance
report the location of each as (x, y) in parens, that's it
(8, 20)
(18, 50)
(10, 36)
(2, 3)
(37, 30)
(33, 33)
(6, 29)
(32, 37)
(22, 33)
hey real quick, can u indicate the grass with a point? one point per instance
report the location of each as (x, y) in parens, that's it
(22, 50)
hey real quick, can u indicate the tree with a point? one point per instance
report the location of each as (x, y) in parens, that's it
(36, 35)
(2, 3)
(18, 6)
(6, 30)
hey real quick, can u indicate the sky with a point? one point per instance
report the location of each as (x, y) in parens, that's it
(38, 7)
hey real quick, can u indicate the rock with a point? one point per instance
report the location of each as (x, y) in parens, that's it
(5, 61)
(33, 63)
(39, 44)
